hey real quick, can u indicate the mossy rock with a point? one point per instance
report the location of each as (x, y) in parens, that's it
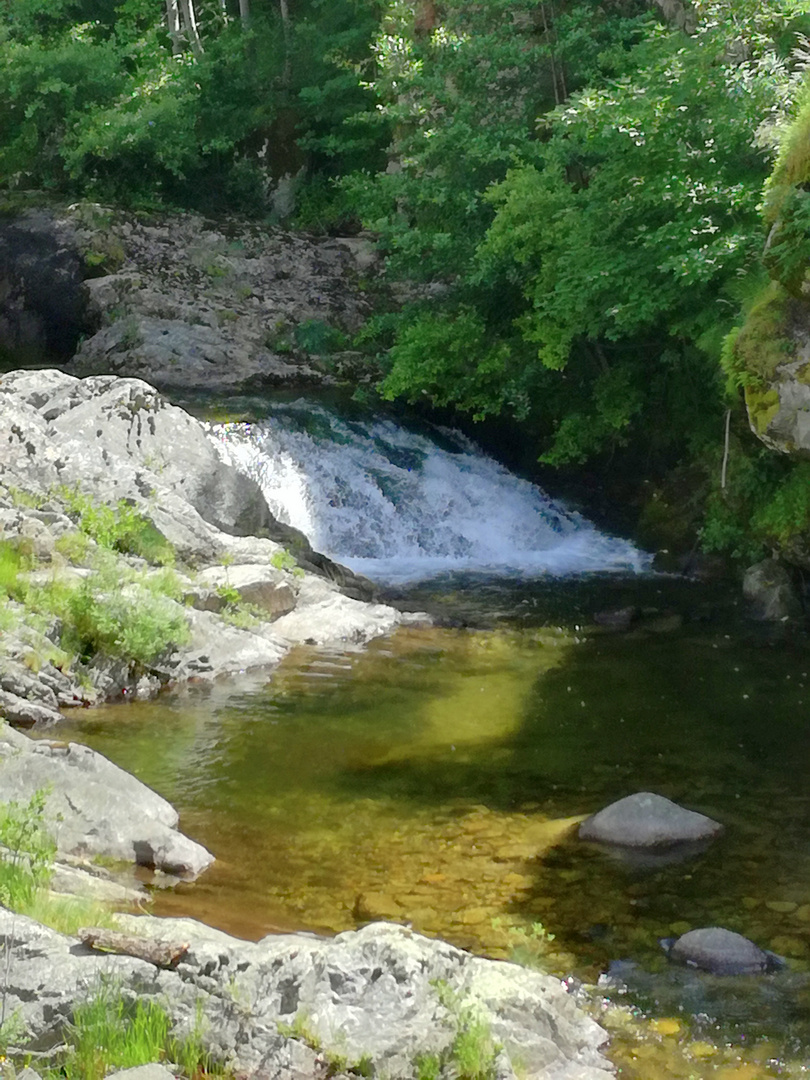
(763, 406)
(105, 255)
(764, 342)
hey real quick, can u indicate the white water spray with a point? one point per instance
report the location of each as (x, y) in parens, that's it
(397, 506)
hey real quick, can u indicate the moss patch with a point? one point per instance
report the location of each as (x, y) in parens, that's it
(762, 405)
(763, 342)
(792, 168)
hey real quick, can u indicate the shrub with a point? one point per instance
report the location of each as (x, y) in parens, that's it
(284, 560)
(27, 851)
(134, 625)
(121, 528)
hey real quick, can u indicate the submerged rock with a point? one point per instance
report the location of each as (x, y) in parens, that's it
(290, 1004)
(647, 820)
(617, 620)
(721, 952)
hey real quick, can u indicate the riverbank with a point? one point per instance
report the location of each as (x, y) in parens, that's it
(429, 777)
(382, 1001)
(134, 556)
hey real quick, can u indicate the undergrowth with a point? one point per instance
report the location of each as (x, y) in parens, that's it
(121, 528)
(115, 1030)
(116, 611)
(765, 505)
(27, 851)
(472, 1053)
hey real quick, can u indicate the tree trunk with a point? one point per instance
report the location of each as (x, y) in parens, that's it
(244, 12)
(173, 23)
(285, 28)
(164, 954)
(191, 29)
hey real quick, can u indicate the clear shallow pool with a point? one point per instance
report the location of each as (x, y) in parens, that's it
(437, 777)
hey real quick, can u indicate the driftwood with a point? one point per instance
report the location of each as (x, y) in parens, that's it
(163, 954)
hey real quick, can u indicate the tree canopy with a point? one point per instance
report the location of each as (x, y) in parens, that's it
(571, 189)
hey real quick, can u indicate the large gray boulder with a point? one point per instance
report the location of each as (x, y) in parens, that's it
(119, 439)
(646, 820)
(261, 585)
(769, 588)
(721, 952)
(95, 808)
(288, 1005)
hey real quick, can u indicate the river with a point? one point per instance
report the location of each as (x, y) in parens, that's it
(437, 776)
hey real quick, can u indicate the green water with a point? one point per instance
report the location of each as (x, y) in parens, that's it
(436, 778)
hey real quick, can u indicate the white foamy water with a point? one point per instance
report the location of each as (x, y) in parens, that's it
(397, 506)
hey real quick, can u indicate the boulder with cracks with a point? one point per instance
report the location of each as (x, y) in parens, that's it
(299, 1006)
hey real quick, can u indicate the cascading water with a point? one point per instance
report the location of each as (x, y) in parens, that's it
(398, 506)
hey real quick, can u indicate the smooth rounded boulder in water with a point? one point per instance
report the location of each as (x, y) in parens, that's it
(647, 820)
(721, 952)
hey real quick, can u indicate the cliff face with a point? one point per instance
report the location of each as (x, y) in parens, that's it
(182, 302)
(771, 352)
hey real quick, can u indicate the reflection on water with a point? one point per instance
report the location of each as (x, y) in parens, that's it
(437, 778)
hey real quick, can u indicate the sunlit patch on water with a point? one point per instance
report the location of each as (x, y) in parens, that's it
(437, 778)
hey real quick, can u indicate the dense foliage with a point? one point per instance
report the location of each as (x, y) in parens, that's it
(572, 190)
(589, 253)
(101, 100)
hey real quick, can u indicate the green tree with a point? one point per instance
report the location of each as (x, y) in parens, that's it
(589, 251)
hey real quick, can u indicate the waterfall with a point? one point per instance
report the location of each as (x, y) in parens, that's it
(397, 505)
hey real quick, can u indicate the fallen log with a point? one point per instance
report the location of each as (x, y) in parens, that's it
(163, 954)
